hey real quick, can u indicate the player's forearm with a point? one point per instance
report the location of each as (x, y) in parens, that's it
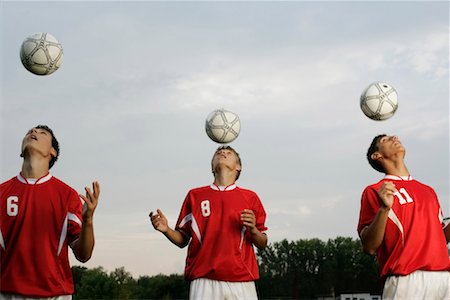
(85, 245)
(176, 237)
(447, 233)
(259, 239)
(373, 235)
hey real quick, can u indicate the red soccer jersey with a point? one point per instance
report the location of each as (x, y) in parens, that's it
(37, 222)
(220, 247)
(414, 237)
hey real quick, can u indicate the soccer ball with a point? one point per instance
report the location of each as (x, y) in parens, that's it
(379, 101)
(222, 126)
(41, 53)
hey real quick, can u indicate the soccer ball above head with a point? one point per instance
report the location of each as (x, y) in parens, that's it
(379, 101)
(41, 53)
(222, 126)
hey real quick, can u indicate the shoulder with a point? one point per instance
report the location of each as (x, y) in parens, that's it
(246, 191)
(418, 183)
(374, 186)
(421, 185)
(61, 185)
(9, 185)
(8, 182)
(199, 189)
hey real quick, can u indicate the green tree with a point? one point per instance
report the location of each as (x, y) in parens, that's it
(162, 287)
(94, 284)
(124, 284)
(311, 268)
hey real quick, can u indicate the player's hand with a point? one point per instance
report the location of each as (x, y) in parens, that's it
(386, 194)
(90, 201)
(159, 221)
(248, 219)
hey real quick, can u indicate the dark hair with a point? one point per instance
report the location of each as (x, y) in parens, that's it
(55, 144)
(372, 149)
(227, 147)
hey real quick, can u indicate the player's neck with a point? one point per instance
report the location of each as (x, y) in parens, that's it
(34, 167)
(224, 178)
(397, 168)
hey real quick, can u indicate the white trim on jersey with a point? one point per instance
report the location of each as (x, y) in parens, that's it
(223, 188)
(63, 235)
(2, 241)
(34, 181)
(397, 222)
(441, 218)
(395, 177)
(70, 217)
(73, 217)
(71, 245)
(194, 226)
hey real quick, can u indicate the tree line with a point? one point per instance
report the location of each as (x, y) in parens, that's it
(303, 269)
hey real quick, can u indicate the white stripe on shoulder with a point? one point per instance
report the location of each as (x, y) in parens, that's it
(194, 225)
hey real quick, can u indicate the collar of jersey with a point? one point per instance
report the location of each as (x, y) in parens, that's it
(43, 179)
(395, 177)
(223, 188)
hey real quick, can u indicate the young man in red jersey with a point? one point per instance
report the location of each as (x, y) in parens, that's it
(401, 222)
(221, 223)
(40, 216)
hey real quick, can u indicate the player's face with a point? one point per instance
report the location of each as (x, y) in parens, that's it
(39, 140)
(390, 145)
(227, 158)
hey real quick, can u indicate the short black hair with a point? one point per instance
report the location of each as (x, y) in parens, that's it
(372, 149)
(55, 144)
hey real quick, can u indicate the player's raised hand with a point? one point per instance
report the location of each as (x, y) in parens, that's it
(248, 218)
(90, 201)
(159, 221)
(386, 194)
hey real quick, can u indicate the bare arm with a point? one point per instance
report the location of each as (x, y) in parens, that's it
(447, 232)
(85, 244)
(372, 236)
(259, 239)
(160, 223)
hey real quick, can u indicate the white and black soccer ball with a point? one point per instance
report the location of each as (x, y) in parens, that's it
(222, 126)
(41, 53)
(379, 101)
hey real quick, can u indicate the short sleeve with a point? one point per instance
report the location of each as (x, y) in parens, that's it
(369, 208)
(260, 214)
(74, 218)
(185, 216)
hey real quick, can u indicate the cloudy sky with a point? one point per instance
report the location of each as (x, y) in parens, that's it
(129, 103)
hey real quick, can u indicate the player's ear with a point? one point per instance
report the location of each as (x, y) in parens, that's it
(375, 156)
(53, 152)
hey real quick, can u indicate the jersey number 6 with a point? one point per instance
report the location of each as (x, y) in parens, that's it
(12, 207)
